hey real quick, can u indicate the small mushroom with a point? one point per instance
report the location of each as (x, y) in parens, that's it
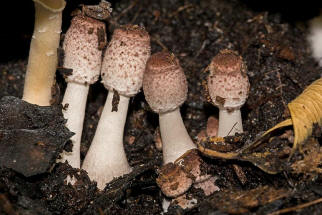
(122, 73)
(84, 58)
(165, 89)
(228, 87)
(314, 38)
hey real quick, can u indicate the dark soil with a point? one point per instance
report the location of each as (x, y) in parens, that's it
(272, 41)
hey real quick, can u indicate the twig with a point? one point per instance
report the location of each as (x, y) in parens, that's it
(280, 87)
(157, 40)
(205, 69)
(100, 211)
(232, 128)
(280, 84)
(136, 14)
(126, 10)
(240, 174)
(202, 48)
(182, 8)
(301, 206)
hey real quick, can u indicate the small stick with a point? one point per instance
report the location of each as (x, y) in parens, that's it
(126, 10)
(157, 40)
(232, 128)
(136, 15)
(301, 206)
(182, 8)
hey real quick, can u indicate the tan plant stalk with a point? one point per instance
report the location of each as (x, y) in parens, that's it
(42, 60)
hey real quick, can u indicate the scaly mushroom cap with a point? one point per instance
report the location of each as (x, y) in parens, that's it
(164, 83)
(81, 49)
(173, 180)
(228, 84)
(125, 59)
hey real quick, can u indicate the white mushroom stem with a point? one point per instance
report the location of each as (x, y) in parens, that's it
(106, 157)
(175, 138)
(75, 103)
(230, 122)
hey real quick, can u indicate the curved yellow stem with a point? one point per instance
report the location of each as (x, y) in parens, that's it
(42, 60)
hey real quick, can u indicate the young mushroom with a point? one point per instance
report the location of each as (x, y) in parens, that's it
(122, 73)
(42, 60)
(228, 87)
(83, 56)
(314, 38)
(165, 89)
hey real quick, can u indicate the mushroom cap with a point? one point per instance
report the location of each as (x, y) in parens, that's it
(228, 84)
(164, 83)
(81, 49)
(125, 59)
(173, 180)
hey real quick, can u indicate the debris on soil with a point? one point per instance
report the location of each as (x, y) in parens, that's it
(240, 202)
(31, 136)
(142, 180)
(310, 163)
(273, 45)
(272, 156)
(71, 198)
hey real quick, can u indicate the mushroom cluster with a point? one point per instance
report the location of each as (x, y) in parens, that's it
(165, 89)
(125, 66)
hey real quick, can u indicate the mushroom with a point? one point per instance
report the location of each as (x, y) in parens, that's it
(42, 60)
(228, 87)
(315, 38)
(122, 73)
(83, 56)
(165, 89)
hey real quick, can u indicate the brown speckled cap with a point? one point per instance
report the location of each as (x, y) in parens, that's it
(173, 180)
(125, 59)
(228, 84)
(164, 83)
(81, 49)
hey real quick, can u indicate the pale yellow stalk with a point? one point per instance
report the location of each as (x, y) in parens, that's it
(43, 58)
